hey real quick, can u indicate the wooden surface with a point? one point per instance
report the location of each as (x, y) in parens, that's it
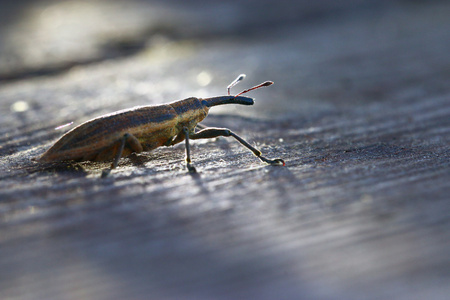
(360, 111)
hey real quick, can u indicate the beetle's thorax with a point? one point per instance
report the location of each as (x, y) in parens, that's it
(189, 111)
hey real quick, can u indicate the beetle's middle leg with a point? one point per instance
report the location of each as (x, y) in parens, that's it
(216, 132)
(126, 139)
(189, 165)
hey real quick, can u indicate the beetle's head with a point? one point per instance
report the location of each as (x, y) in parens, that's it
(238, 99)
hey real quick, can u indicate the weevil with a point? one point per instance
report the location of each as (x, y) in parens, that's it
(144, 128)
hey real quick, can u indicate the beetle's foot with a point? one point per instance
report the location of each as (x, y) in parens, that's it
(191, 169)
(278, 162)
(105, 173)
(273, 162)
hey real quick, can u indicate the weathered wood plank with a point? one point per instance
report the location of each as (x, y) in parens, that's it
(360, 111)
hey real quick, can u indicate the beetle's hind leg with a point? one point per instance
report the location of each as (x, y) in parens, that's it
(126, 139)
(216, 132)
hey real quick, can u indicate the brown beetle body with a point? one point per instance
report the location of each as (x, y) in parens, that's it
(145, 128)
(153, 126)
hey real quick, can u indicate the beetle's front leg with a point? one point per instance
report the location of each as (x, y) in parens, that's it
(133, 143)
(189, 166)
(216, 132)
(200, 126)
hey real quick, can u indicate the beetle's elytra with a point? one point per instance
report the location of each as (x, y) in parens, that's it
(144, 128)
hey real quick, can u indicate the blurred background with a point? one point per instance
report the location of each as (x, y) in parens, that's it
(47, 37)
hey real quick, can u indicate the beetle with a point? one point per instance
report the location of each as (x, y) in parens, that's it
(144, 128)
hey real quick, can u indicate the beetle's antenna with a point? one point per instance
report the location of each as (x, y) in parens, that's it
(236, 81)
(266, 83)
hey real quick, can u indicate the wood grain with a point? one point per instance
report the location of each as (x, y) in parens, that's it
(359, 111)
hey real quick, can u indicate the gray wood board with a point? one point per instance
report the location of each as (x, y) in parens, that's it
(360, 112)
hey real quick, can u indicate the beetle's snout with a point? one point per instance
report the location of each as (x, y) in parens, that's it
(244, 100)
(213, 101)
